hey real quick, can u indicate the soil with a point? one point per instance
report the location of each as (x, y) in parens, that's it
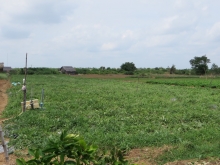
(147, 156)
(4, 85)
(144, 156)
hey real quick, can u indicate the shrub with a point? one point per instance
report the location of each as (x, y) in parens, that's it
(71, 149)
(31, 71)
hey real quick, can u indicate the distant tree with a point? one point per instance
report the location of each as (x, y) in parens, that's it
(200, 64)
(172, 69)
(168, 69)
(128, 66)
(215, 69)
(102, 68)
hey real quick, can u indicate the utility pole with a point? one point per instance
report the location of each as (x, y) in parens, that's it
(24, 86)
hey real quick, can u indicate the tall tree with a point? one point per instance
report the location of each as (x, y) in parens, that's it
(172, 69)
(200, 64)
(128, 66)
(215, 69)
(102, 68)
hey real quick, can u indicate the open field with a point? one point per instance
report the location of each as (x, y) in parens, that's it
(209, 83)
(3, 75)
(127, 114)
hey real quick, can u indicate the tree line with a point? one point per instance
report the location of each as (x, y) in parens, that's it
(199, 66)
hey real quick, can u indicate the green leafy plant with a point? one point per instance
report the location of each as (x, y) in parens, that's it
(115, 157)
(71, 149)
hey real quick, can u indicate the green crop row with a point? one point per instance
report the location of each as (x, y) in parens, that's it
(117, 113)
(195, 82)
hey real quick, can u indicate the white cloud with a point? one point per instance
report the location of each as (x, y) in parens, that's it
(108, 46)
(214, 32)
(95, 33)
(128, 34)
(14, 33)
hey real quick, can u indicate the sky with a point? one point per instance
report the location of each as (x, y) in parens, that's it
(95, 33)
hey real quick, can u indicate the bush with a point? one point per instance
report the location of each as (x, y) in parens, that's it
(31, 71)
(128, 66)
(15, 71)
(71, 149)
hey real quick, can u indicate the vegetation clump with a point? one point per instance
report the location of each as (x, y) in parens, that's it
(71, 149)
(200, 64)
(128, 67)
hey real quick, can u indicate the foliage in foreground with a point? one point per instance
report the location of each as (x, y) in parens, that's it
(71, 149)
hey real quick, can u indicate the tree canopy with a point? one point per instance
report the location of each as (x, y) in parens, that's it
(128, 66)
(200, 64)
(215, 69)
(172, 69)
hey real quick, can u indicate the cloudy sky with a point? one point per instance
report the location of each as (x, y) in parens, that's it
(94, 33)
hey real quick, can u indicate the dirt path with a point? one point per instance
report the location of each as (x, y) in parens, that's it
(4, 85)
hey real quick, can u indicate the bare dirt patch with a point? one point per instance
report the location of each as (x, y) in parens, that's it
(146, 156)
(12, 159)
(4, 85)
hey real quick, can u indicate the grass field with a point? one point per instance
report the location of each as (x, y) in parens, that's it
(128, 114)
(3, 76)
(210, 83)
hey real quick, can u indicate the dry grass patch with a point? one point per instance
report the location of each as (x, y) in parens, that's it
(146, 156)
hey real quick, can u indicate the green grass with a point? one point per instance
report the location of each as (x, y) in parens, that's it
(3, 76)
(198, 82)
(179, 81)
(121, 113)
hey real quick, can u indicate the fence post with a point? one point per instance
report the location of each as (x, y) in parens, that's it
(24, 86)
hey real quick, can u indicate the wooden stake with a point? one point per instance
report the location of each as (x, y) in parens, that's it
(24, 101)
(4, 144)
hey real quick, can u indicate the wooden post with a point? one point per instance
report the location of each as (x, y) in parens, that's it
(24, 84)
(4, 145)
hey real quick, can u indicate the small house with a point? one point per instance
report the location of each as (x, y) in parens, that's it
(7, 69)
(68, 70)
